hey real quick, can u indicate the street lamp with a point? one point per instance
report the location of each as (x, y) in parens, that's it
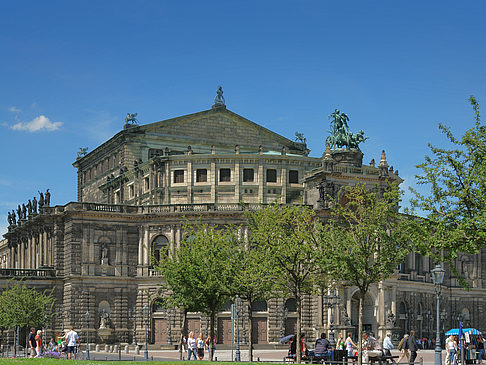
(169, 327)
(133, 314)
(438, 278)
(238, 353)
(86, 316)
(330, 300)
(145, 316)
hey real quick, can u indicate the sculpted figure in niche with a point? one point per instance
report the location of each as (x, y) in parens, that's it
(105, 254)
(105, 321)
(346, 321)
(390, 319)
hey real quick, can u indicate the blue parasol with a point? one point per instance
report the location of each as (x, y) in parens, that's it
(285, 339)
(455, 331)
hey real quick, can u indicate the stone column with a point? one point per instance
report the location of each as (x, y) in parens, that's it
(261, 179)
(213, 181)
(189, 182)
(237, 181)
(283, 179)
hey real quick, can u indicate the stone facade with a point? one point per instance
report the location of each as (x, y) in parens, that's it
(135, 190)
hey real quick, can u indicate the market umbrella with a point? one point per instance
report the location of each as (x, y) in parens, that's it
(455, 331)
(285, 339)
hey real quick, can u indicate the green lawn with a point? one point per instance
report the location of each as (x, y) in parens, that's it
(86, 362)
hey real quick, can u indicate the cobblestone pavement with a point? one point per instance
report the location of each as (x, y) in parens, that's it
(225, 355)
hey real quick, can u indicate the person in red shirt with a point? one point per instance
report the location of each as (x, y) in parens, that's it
(38, 343)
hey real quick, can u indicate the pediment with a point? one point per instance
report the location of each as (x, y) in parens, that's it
(222, 127)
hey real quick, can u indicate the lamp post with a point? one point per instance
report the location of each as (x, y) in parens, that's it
(145, 317)
(169, 327)
(438, 279)
(132, 313)
(330, 299)
(238, 353)
(429, 317)
(86, 316)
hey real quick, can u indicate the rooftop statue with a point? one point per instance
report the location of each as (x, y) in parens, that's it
(82, 152)
(131, 118)
(219, 99)
(340, 135)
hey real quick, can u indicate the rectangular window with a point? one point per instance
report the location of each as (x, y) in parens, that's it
(201, 175)
(225, 175)
(248, 175)
(178, 176)
(272, 175)
(147, 184)
(132, 191)
(293, 177)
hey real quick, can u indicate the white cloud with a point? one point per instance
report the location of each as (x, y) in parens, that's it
(14, 109)
(39, 123)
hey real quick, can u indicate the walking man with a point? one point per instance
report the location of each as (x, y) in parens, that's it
(72, 340)
(32, 343)
(412, 346)
(388, 345)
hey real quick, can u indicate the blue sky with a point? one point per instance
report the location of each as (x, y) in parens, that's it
(70, 71)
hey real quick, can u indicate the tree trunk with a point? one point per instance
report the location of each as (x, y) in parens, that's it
(250, 331)
(213, 315)
(183, 332)
(298, 355)
(360, 326)
(15, 341)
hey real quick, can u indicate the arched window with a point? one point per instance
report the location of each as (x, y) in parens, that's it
(160, 247)
(291, 305)
(259, 306)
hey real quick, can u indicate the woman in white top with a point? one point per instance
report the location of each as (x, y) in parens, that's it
(200, 347)
(452, 350)
(191, 346)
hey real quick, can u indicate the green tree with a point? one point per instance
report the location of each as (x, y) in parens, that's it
(367, 238)
(455, 204)
(254, 279)
(288, 236)
(198, 274)
(24, 307)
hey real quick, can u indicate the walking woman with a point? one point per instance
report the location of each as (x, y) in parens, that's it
(403, 347)
(200, 347)
(350, 345)
(480, 349)
(452, 350)
(191, 346)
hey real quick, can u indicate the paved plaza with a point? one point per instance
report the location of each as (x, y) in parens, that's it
(225, 355)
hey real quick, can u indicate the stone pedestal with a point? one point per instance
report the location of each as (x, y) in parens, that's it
(106, 335)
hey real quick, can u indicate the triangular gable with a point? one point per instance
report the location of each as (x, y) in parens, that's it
(222, 127)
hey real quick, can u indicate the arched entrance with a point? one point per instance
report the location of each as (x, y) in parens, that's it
(369, 314)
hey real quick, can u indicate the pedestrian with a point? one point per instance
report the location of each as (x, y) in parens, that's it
(480, 349)
(72, 340)
(38, 344)
(208, 346)
(403, 347)
(350, 345)
(32, 343)
(452, 350)
(371, 347)
(200, 347)
(412, 346)
(341, 344)
(388, 345)
(191, 346)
